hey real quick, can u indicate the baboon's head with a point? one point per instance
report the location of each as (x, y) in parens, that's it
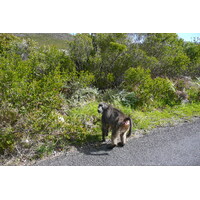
(102, 107)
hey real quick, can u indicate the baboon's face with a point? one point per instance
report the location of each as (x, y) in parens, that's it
(102, 107)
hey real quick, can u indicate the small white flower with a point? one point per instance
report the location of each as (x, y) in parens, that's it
(61, 119)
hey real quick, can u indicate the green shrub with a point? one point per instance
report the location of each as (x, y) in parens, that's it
(84, 123)
(130, 99)
(30, 92)
(194, 94)
(134, 77)
(7, 139)
(76, 81)
(180, 84)
(83, 95)
(111, 95)
(147, 91)
(8, 114)
(6, 42)
(138, 80)
(163, 91)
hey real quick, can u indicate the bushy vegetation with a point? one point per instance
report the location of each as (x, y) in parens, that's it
(34, 93)
(157, 92)
(49, 98)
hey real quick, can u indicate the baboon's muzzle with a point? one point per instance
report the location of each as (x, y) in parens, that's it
(99, 111)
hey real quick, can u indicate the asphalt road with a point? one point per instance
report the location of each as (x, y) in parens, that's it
(173, 146)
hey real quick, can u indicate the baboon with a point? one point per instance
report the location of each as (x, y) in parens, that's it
(116, 121)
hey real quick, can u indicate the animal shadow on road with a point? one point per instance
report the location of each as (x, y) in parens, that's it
(100, 149)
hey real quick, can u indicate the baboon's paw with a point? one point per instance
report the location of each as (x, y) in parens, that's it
(120, 144)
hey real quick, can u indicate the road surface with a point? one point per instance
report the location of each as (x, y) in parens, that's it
(173, 146)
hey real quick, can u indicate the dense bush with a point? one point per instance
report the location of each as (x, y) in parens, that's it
(103, 55)
(134, 77)
(193, 91)
(111, 95)
(82, 96)
(130, 99)
(108, 56)
(148, 91)
(163, 92)
(31, 95)
(116, 96)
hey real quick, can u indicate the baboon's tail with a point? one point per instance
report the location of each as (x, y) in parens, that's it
(130, 130)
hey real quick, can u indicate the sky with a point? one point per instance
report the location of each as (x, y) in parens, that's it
(189, 36)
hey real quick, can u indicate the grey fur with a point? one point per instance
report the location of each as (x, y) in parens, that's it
(116, 121)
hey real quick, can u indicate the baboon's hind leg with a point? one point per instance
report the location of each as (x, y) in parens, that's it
(114, 137)
(123, 138)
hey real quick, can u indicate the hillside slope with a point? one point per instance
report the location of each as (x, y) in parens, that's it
(52, 39)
